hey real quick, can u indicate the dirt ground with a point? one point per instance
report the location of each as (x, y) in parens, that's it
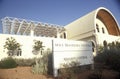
(25, 73)
(20, 73)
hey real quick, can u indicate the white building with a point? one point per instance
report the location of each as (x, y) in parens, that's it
(98, 26)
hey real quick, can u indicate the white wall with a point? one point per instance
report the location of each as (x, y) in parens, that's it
(100, 26)
(82, 27)
(26, 43)
(108, 38)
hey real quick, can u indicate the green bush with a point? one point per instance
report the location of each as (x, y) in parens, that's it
(25, 62)
(110, 57)
(8, 63)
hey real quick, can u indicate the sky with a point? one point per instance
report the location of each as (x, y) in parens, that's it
(60, 12)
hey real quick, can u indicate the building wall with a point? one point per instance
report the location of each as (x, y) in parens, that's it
(26, 43)
(108, 38)
(100, 27)
(95, 22)
(81, 28)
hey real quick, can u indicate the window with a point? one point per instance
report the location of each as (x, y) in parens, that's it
(105, 43)
(55, 36)
(19, 53)
(97, 27)
(103, 31)
(93, 46)
(64, 35)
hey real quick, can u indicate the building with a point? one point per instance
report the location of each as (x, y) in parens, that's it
(25, 33)
(17, 26)
(98, 26)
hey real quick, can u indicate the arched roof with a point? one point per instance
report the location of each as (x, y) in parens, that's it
(109, 20)
(85, 26)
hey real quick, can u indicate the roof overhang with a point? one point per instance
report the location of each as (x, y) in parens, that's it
(109, 20)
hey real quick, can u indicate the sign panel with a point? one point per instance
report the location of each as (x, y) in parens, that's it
(67, 51)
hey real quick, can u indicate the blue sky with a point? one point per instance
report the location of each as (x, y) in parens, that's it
(60, 12)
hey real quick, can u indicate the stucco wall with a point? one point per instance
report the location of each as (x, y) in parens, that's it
(108, 38)
(81, 26)
(101, 26)
(26, 43)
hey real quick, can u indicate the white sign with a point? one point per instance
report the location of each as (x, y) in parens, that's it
(66, 51)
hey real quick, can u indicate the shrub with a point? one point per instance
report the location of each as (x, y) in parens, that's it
(8, 63)
(38, 68)
(96, 74)
(41, 65)
(110, 57)
(70, 70)
(25, 62)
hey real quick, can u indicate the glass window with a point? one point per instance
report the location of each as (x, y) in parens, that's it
(64, 35)
(105, 43)
(97, 27)
(103, 31)
(93, 47)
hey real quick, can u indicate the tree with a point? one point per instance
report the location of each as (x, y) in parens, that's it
(38, 47)
(12, 46)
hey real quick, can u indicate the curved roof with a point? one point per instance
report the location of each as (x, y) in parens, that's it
(109, 20)
(85, 26)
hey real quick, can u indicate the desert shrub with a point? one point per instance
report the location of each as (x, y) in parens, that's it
(96, 74)
(114, 61)
(103, 74)
(38, 68)
(41, 65)
(25, 62)
(70, 70)
(110, 57)
(8, 63)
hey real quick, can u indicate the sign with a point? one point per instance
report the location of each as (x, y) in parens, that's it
(67, 51)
